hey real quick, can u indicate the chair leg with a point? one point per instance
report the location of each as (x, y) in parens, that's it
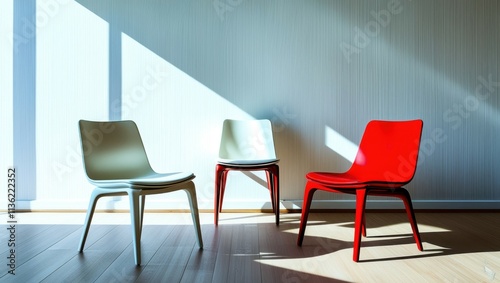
(96, 194)
(308, 196)
(363, 226)
(358, 222)
(193, 203)
(405, 197)
(276, 187)
(222, 188)
(142, 203)
(270, 187)
(219, 173)
(272, 176)
(135, 223)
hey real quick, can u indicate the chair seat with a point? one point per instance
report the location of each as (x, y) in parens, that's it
(347, 181)
(247, 163)
(154, 180)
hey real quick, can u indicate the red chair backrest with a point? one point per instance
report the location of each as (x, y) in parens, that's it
(388, 152)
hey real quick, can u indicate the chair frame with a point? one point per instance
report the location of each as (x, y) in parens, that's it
(361, 191)
(137, 193)
(272, 175)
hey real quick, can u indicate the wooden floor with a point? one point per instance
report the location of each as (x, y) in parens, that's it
(458, 247)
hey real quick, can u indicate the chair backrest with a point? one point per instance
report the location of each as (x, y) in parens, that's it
(247, 140)
(113, 150)
(388, 152)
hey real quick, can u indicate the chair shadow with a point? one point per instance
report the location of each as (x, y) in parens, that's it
(439, 237)
(264, 243)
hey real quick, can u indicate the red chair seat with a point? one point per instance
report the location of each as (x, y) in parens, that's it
(347, 181)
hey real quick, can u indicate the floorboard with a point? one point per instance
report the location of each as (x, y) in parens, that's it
(249, 247)
(201, 265)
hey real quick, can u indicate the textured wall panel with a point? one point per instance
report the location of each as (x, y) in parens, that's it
(316, 66)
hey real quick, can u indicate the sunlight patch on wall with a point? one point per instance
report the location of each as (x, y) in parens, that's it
(340, 144)
(71, 84)
(180, 120)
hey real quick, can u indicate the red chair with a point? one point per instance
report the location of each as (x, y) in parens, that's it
(386, 161)
(247, 145)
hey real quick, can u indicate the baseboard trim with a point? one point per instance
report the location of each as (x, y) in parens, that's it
(420, 205)
(248, 206)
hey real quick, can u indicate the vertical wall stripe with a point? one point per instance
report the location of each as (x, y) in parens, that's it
(115, 73)
(24, 87)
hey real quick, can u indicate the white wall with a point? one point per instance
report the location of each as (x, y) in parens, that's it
(6, 116)
(72, 84)
(312, 67)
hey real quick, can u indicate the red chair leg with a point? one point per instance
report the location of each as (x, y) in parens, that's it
(405, 197)
(308, 196)
(276, 187)
(219, 172)
(272, 174)
(363, 226)
(270, 187)
(358, 222)
(222, 187)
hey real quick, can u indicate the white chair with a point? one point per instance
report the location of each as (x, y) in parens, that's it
(116, 163)
(247, 145)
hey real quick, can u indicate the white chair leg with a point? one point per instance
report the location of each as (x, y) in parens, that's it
(135, 223)
(88, 219)
(143, 201)
(193, 202)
